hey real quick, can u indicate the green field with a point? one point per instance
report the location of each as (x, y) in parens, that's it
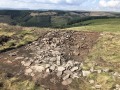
(112, 24)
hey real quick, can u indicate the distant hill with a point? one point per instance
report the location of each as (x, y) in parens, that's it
(51, 18)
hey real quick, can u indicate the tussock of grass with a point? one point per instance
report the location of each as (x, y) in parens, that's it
(17, 84)
(2, 32)
(80, 84)
(105, 80)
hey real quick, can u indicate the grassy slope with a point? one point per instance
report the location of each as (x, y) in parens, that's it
(18, 36)
(105, 55)
(99, 25)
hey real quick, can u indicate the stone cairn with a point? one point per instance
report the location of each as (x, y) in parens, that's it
(50, 57)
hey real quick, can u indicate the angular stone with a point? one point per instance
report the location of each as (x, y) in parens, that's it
(38, 68)
(58, 60)
(92, 69)
(74, 69)
(26, 64)
(47, 65)
(76, 52)
(61, 69)
(68, 72)
(67, 82)
(98, 86)
(76, 63)
(86, 73)
(19, 58)
(75, 75)
(48, 70)
(58, 63)
(45, 75)
(91, 81)
(116, 74)
(106, 70)
(66, 77)
(53, 45)
(37, 62)
(53, 59)
(69, 63)
(117, 86)
(23, 62)
(13, 54)
(54, 53)
(59, 73)
(99, 71)
(9, 61)
(28, 71)
(53, 67)
(32, 74)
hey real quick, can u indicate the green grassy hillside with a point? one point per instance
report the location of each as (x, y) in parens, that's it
(111, 24)
(52, 19)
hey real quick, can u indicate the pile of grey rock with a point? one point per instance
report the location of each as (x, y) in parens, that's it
(51, 56)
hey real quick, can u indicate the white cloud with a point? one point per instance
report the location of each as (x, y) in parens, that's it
(110, 3)
(62, 1)
(41, 4)
(62, 4)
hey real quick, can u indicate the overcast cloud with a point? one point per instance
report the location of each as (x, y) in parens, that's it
(103, 5)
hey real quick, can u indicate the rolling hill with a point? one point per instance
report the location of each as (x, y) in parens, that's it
(52, 18)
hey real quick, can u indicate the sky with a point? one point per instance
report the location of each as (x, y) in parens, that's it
(88, 5)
